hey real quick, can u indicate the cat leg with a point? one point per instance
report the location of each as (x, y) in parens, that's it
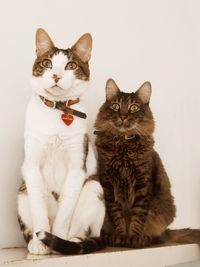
(161, 209)
(89, 215)
(35, 246)
(72, 186)
(37, 193)
(24, 215)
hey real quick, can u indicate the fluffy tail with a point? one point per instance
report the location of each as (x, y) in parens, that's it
(68, 247)
(181, 236)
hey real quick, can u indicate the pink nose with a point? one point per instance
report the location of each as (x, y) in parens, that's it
(56, 77)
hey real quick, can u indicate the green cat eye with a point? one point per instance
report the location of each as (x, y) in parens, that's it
(115, 106)
(71, 65)
(47, 63)
(134, 108)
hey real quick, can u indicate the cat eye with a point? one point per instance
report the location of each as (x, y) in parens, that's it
(71, 66)
(115, 106)
(47, 63)
(134, 108)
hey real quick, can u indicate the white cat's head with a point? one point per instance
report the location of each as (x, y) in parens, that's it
(60, 74)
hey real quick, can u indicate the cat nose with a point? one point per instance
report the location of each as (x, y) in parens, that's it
(56, 77)
(122, 117)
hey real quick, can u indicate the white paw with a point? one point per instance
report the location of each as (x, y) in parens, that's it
(35, 246)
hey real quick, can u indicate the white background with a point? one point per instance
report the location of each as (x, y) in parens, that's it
(134, 41)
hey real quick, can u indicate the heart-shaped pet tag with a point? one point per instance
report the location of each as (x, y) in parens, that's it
(67, 118)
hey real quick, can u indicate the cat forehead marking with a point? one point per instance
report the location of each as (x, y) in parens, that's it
(126, 99)
(59, 59)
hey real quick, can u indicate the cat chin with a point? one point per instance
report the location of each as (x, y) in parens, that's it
(52, 95)
(128, 130)
(132, 130)
(57, 93)
(124, 129)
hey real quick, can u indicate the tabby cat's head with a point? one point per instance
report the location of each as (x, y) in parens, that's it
(59, 74)
(126, 113)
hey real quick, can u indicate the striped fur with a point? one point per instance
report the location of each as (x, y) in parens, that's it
(181, 236)
(68, 247)
(81, 72)
(137, 191)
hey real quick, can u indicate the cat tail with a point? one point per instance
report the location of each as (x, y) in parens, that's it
(180, 236)
(69, 247)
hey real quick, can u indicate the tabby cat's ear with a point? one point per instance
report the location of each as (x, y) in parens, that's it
(43, 42)
(111, 89)
(83, 47)
(144, 92)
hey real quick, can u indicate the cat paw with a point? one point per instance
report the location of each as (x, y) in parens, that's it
(36, 247)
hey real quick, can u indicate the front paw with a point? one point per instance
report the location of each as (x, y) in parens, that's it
(114, 240)
(35, 246)
(120, 231)
(139, 241)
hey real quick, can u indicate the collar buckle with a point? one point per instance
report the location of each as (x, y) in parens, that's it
(54, 104)
(67, 103)
(126, 137)
(64, 106)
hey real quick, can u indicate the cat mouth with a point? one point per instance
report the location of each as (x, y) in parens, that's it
(124, 128)
(56, 87)
(120, 127)
(55, 90)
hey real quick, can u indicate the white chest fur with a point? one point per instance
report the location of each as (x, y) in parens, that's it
(54, 163)
(47, 121)
(51, 142)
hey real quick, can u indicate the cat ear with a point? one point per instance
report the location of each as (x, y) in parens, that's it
(43, 42)
(83, 47)
(111, 89)
(144, 92)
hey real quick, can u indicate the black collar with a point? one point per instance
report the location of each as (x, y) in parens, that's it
(64, 106)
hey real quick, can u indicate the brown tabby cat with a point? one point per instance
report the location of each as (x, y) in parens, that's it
(137, 192)
(139, 203)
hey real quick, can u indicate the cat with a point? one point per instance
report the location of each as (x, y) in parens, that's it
(137, 191)
(60, 192)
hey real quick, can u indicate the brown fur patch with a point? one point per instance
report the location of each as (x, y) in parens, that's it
(22, 188)
(85, 151)
(26, 232)
(136, 187)
(81, 72)
(56, 195)
(93, 178)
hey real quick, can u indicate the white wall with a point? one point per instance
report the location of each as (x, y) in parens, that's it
(134, 41)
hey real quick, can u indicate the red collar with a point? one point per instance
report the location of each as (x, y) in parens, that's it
(59, 104)
(65, 107)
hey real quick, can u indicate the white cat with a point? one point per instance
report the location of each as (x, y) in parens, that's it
(56, 194)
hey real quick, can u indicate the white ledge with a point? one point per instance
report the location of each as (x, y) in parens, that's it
(149, 257)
